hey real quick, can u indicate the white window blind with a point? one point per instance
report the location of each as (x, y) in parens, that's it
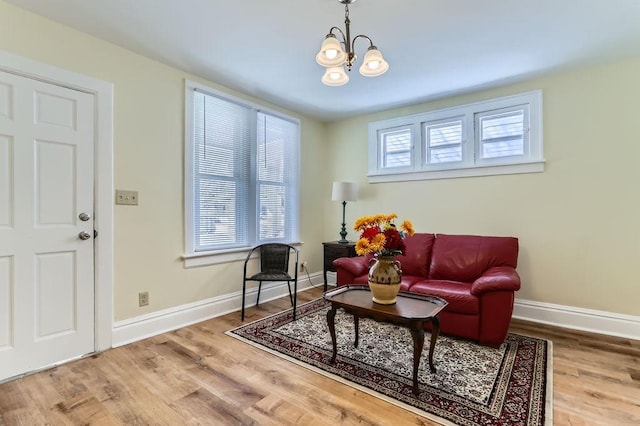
(395, 148)
(243, 175)
(502, 134)
(277, 176)
(444, 142)
(221, 175)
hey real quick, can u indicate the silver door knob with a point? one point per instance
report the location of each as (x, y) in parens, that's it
(84, 235)
(84, 216)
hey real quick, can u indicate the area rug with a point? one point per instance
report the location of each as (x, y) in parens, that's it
(473, 384)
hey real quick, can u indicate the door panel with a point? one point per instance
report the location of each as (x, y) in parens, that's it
(55, 293)
(55, 183)
(6, 301)
(46, 181)
(6, 181)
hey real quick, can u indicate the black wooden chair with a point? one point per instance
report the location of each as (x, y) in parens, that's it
(274, 266)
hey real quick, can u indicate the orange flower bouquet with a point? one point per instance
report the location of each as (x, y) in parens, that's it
(380, 236)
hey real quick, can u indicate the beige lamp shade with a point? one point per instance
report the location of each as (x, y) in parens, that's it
(344, 191)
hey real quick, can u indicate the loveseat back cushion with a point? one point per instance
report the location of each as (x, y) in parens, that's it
(418, 255)
(466, 257)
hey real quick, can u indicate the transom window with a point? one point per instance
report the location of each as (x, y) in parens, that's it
(498, 136)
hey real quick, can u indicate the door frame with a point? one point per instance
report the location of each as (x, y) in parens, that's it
(102, 92)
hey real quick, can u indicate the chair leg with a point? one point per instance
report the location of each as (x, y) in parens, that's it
(244, 290)
(295, 298)
(259, 288)
(289, 288)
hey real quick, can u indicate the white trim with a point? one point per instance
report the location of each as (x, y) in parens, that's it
(222, 256)
(144, 326)
(589, 320)
(103, 214)
(508, 169)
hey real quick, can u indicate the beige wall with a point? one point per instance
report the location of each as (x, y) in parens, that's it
(148, 157)
(578, 222)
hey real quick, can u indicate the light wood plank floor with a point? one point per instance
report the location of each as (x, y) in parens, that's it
(199, 376)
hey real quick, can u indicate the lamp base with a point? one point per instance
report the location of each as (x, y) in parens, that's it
(344, 241)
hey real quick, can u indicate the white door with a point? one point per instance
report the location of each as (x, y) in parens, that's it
(46, 183)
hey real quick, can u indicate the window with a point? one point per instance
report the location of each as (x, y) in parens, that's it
(502, 133)
(499, 136)
(242, 178)
(396, 148)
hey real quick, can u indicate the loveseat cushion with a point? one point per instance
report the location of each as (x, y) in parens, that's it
(457, 294)
(465, 257)
(418, 255)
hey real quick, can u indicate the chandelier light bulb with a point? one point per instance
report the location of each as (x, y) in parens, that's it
(372, 65)
(331, 53)
(335, 76)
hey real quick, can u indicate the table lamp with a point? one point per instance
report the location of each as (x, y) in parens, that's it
(344, 191)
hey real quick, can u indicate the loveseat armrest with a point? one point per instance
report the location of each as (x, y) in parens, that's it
(347, 268)
(499, 278)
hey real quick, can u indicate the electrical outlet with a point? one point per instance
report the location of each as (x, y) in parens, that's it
(143, 298)
(303, 266)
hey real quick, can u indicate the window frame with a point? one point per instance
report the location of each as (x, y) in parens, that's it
(532, 161)
(193, 258)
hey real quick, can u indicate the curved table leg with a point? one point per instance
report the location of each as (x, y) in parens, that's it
(435, 331)
(331, 322)
(417, 332)
(356, 326)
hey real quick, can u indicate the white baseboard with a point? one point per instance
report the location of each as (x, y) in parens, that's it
(601, 322)
(155, 323)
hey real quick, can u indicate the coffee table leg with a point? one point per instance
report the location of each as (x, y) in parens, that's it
(331, 322)
(417, 332)
(356, 326)
(435, 331)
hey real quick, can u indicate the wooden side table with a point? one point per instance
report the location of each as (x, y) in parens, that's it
(334, 250)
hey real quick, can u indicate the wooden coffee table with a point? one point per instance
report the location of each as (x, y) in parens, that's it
(411, 310)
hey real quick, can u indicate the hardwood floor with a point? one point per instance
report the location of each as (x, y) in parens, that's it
(199, 376)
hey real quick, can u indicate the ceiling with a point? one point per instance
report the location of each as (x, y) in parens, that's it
(435, 48)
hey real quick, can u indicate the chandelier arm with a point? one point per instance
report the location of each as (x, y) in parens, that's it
(341, 33)
(353, 43)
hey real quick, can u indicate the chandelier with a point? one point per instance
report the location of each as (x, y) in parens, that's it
(333, 56)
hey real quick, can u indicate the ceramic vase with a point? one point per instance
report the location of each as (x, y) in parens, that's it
(385, 274)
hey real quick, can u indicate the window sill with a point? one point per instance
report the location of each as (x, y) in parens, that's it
(194, 260)
(508, 169)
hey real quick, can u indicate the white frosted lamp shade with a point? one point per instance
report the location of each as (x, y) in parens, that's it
(331, 53)
(373, 64)
(344, 191)
(335, 76)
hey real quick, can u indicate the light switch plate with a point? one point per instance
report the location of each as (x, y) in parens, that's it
(129, 198)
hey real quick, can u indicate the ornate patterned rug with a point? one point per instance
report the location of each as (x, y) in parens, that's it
(473, 385)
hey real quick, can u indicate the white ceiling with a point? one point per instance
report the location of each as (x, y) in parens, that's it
(435, 48)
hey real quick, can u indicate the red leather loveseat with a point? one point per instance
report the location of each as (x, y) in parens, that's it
(475, 274)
